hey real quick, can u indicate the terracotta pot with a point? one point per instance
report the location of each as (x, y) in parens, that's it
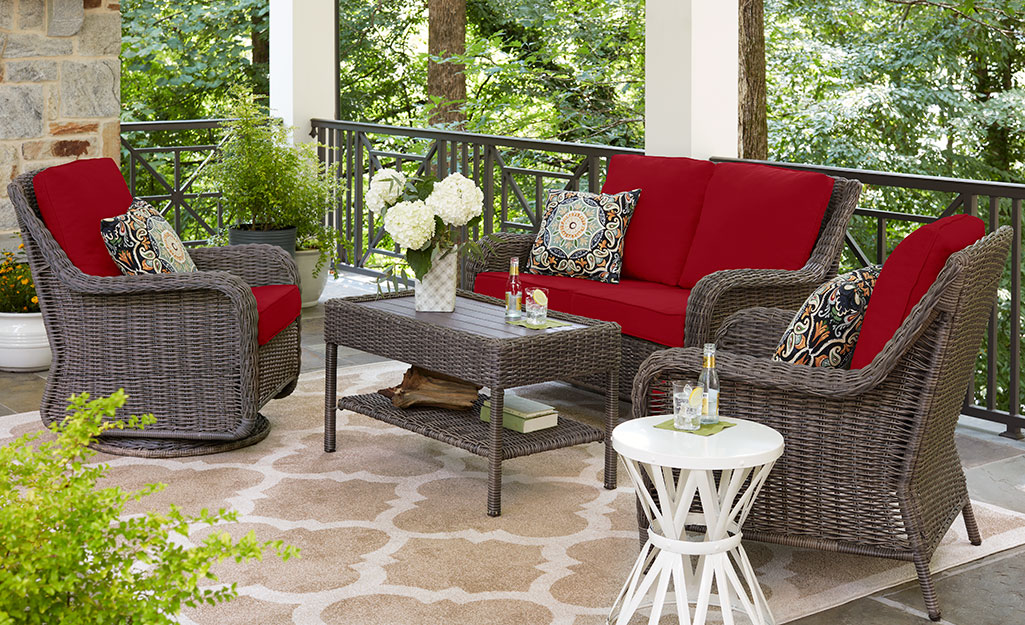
(23, 342)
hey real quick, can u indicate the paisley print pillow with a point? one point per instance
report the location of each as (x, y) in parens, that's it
(582, 235)
(826, 328)
(141, 241)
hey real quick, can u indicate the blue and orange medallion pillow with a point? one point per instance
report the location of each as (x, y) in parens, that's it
(825, 330)
(582, 235)
(141, 241)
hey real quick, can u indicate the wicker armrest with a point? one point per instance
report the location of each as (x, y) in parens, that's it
(755, 376)
(722, 293)
(753, 331)
(496, 250)
(256, 264)
(223, 282)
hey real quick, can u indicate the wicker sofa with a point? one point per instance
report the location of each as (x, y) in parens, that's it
(655, 303)
(870, 466)
(193, 349)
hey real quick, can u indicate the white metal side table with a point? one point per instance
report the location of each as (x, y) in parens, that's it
(682, 467)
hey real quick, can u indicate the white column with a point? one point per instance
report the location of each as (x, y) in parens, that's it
(691, 72)
(302, 62)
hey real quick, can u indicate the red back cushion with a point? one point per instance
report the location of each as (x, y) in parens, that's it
(72, 199)
(663, 223)
(757, 217)
(907, 274)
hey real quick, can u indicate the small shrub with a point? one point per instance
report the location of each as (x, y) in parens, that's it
(68, 556)
(17, 289)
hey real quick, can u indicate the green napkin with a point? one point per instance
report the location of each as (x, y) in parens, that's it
(551, 323)
(706, 429)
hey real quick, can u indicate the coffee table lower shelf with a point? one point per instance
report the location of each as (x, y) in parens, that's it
(464, 429)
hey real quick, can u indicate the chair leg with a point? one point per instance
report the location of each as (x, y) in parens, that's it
(970, 525)
(928, 590)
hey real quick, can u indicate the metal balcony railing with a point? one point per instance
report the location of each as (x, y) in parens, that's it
(515, 174)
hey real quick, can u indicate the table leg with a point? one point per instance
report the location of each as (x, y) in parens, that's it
(611, 417)
(495, 453)
(330, 392)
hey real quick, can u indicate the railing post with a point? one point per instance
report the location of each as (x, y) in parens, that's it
(489, 190)
(1015, 379)
(358, 222)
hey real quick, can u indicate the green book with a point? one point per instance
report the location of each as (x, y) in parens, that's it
(523, 407)
(521, 424)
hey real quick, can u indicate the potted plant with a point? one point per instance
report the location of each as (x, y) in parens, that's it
(69, 552)
(276, 192)
(423, 216)
(23, 342)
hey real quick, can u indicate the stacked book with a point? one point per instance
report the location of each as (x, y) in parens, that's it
(523, 415)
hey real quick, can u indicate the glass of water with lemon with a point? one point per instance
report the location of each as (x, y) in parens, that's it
(687, 398)
(535, 307)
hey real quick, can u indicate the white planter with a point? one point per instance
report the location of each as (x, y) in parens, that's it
(437, 291)
(310, 286)
(23, 343)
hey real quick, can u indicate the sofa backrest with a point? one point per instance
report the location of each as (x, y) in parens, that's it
(757, 217)
(906, 275)
(72, 200)
(666, 215)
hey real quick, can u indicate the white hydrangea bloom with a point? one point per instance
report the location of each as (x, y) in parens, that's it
(456, 199)
(385, 187)
(373, 200)
(411, 224)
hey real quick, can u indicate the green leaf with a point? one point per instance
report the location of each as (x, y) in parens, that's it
(419, 261)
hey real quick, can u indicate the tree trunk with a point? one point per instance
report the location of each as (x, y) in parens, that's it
(753, 141)
(446, 37)
(261, 54)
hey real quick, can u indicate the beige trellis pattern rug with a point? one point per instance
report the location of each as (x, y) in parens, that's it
(392, 527)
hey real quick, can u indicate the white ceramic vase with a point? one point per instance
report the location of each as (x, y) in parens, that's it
(310, 286)
(437, 291)
(23, 342)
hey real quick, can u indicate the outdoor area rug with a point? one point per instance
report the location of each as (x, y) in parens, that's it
(392, 527)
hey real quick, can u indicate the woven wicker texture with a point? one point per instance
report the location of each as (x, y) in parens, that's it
(716, 296)
(870, 465)
(473, 343)
(183, 346)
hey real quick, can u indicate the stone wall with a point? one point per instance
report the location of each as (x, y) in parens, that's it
(60, 87)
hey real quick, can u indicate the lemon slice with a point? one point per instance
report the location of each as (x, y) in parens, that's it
(540, 298)
(695, 398)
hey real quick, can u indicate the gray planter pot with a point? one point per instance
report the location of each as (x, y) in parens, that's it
(283, 238)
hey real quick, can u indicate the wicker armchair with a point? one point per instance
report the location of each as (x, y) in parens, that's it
(716, 296)
(870, 466)
(183, 346)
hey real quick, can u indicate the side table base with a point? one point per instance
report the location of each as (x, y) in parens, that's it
(691, 587)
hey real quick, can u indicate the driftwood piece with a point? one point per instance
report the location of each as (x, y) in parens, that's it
(421, 387)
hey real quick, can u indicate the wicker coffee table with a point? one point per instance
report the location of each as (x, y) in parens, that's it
(474, 343)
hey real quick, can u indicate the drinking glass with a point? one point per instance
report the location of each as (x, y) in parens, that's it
(535, 306)
(686, 411)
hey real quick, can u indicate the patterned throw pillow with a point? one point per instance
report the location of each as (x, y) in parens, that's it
(826, 328)
(141, 241)
(582, 235)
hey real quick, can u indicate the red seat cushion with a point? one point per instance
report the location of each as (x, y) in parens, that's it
(907, 274)
(72, 199)
(560, 288)
(646, 310)
(756, 217)
(277, 306)
(666, 215)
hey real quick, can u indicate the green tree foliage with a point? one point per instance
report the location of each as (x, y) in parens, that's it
(69, 555)
(569, 70)
(910, 86)
(179, 60)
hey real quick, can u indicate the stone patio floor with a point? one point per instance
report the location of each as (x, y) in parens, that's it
(990, 591)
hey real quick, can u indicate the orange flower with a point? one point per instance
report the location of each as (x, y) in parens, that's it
(35, 299)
